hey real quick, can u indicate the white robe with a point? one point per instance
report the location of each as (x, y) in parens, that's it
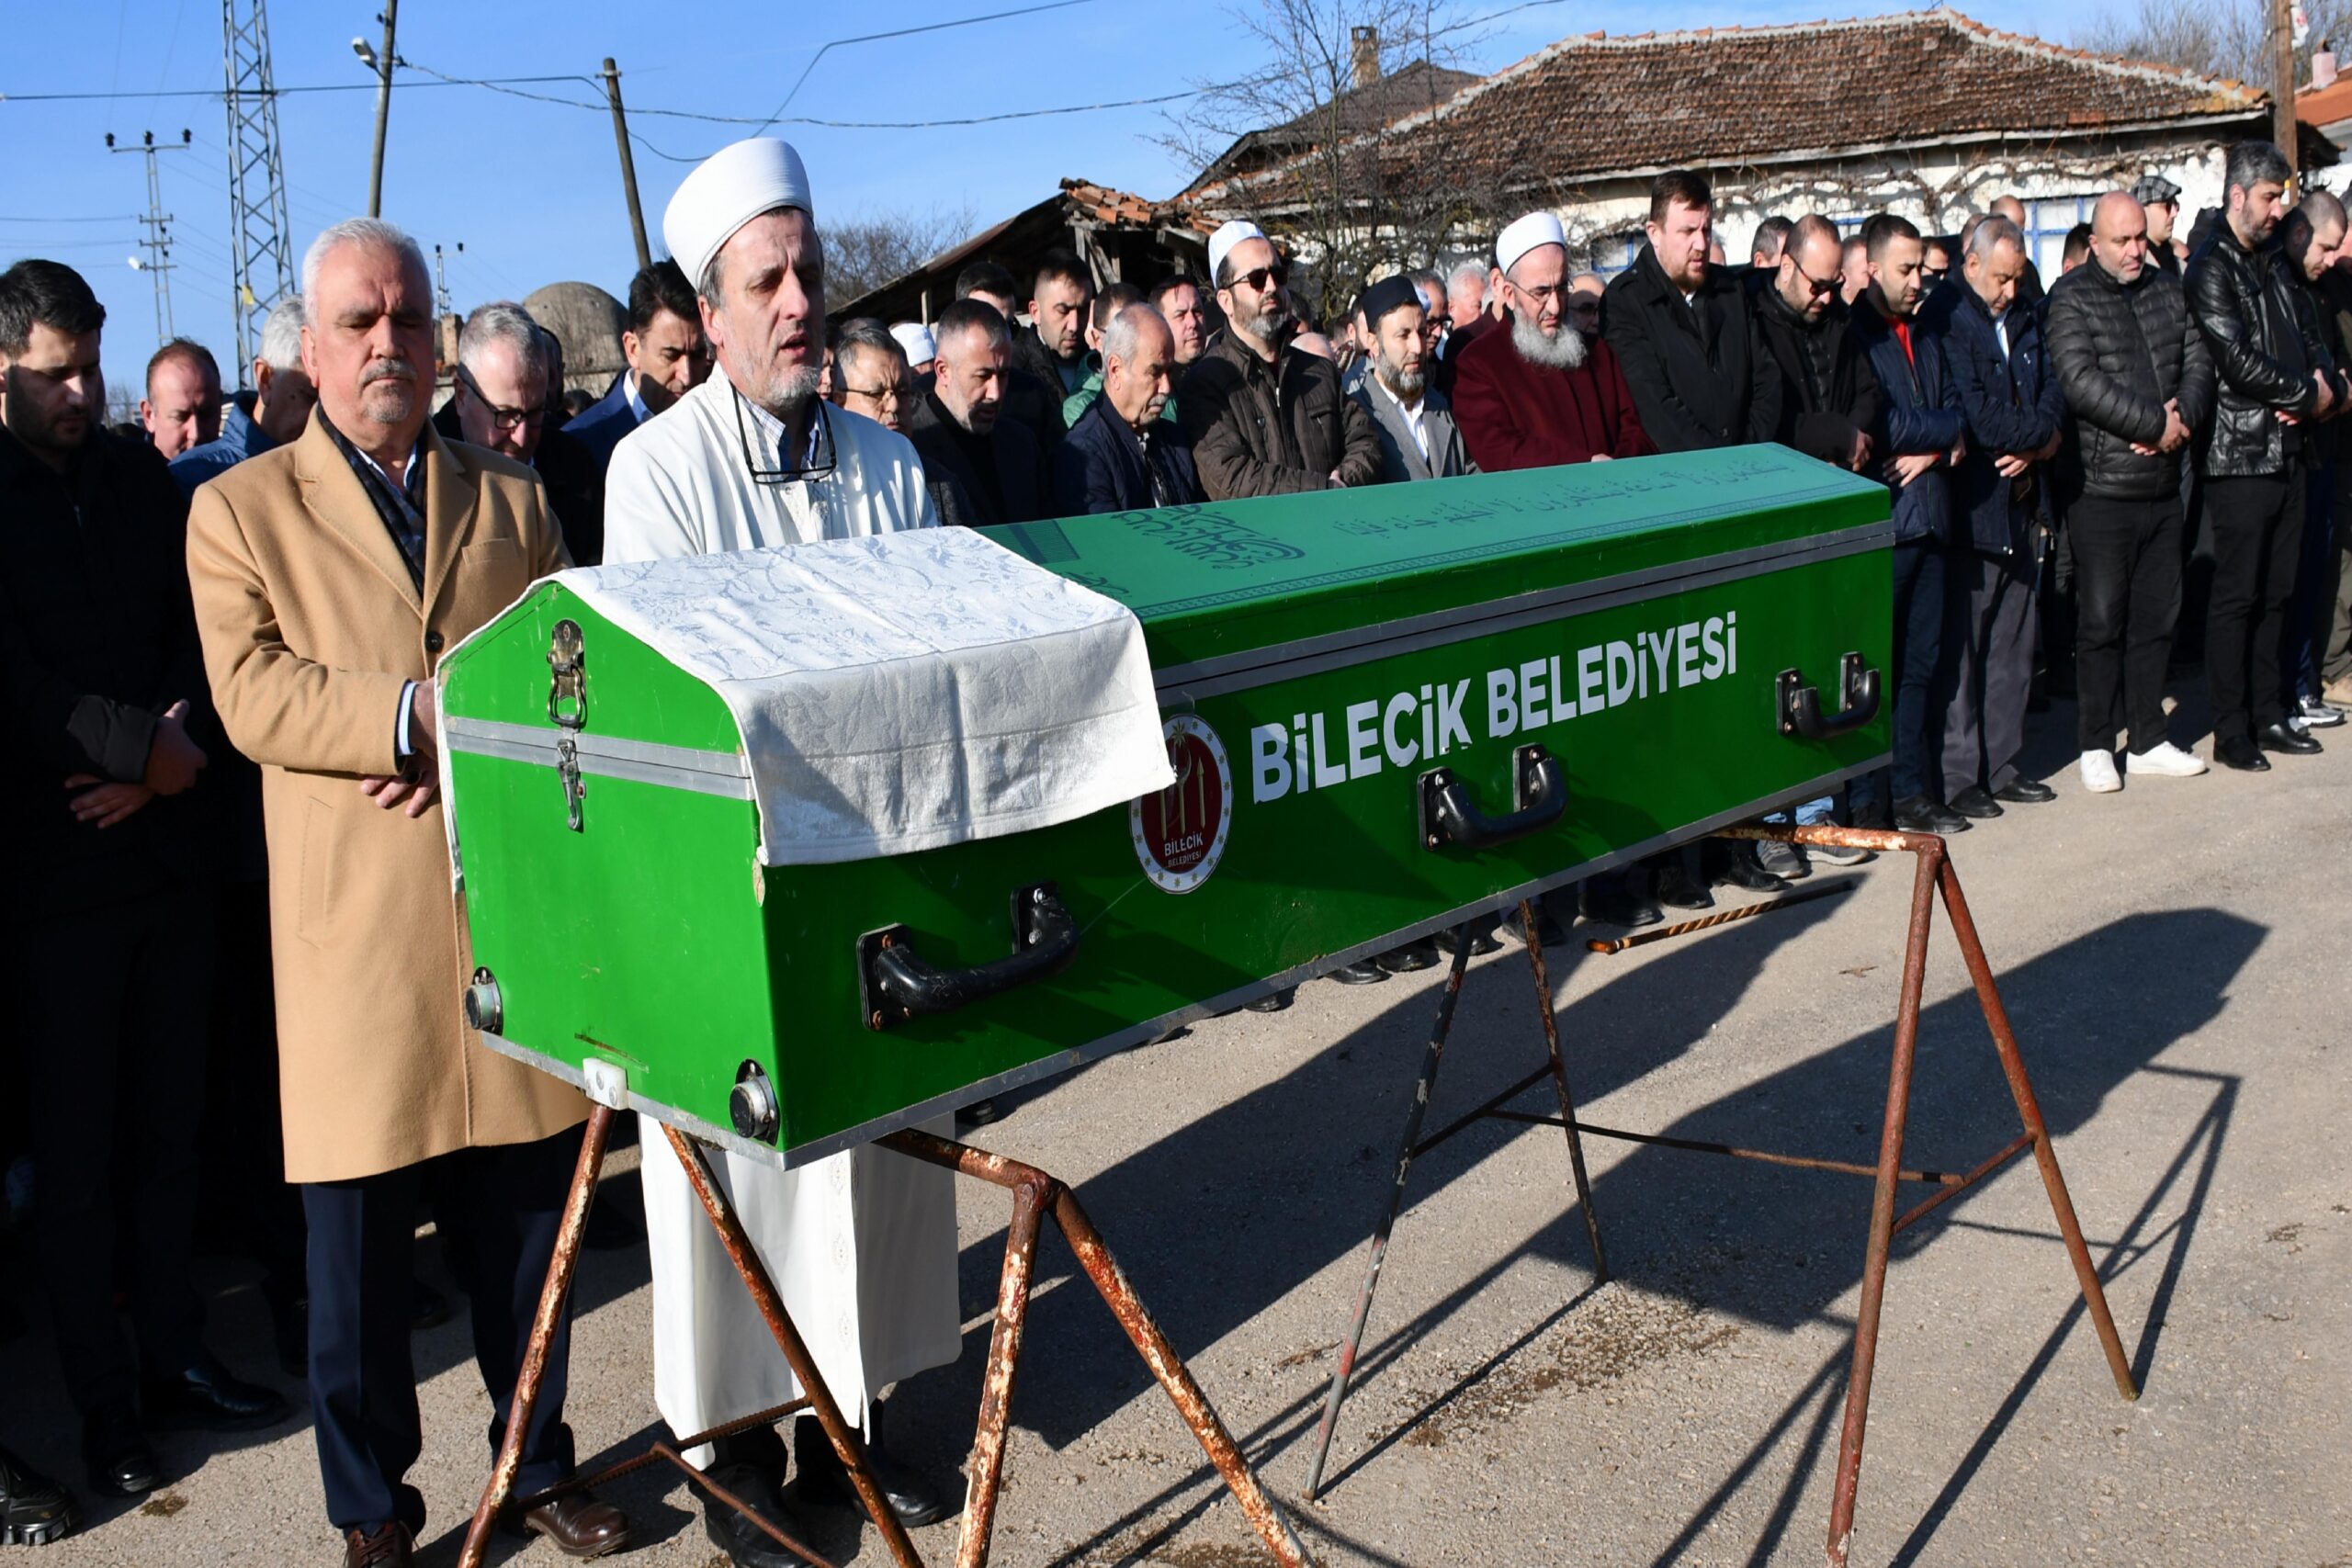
(861, 1246)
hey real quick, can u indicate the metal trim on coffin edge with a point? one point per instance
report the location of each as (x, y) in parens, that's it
(1143, 1033)
(1340, 650)
(606, 756)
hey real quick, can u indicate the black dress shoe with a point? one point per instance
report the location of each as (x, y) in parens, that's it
(1739, 871)
(1547, 929)
(1483, 940)
(581, 1526)
(1873, 818)
(1621, 906)
(1679, 888)
(1411, 957)
(121, 1462)
(2240, 752)
(824, 1479)
(1919, 814)
(2294, 742)
(1977, 801)
(746, 1545)
(387, 1546)
(208, 1396)
(2025, 791)
(1362, 972)
(34, 1510)
(1275, 1002)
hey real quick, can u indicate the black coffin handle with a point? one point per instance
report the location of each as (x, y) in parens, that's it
(1800, 704)
(895, 983)
(1450, 816)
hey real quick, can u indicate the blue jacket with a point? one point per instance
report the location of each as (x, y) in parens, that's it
(240, 438)
(2012, 403)
(600, 425)
(1918, 412)
(1099, 466)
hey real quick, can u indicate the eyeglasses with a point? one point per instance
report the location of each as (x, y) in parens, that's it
(501, 418)
(822, 452)
(894, 392)
(1817, 286)
(1933, 275)
(1259, 278)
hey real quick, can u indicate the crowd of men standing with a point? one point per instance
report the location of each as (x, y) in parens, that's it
(2060, 462)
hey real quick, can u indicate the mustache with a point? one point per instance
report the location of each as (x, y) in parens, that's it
(387, 370)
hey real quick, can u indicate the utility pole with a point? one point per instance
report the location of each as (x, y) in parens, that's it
(158, 242)
(261, 242)
(2282, 79)
(390, 19)
(629, 164)
(441, 281)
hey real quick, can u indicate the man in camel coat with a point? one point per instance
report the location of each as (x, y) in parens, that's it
(329, 578)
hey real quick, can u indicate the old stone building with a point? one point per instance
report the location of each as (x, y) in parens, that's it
(1927, 114)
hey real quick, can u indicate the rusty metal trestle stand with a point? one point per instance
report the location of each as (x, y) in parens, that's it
(1035, 1195)
(1934, 877)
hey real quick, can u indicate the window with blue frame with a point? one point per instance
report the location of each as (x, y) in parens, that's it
(1612, 254)
(2047, 221)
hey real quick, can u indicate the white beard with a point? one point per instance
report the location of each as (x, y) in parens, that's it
(1560, 350)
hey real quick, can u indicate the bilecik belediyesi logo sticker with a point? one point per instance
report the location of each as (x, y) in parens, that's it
(1180, 832)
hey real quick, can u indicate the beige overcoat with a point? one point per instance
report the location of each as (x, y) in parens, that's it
(310, 627)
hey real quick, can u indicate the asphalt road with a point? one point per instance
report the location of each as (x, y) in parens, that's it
(2175, 960)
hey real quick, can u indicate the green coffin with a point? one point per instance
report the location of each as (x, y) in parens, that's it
(1352, 683)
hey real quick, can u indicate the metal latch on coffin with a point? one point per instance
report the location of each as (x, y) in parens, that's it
(568, 710)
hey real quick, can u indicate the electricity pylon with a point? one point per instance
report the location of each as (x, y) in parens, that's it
(261, 245)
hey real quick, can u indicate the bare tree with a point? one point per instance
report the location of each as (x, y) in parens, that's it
(2220, 37)
(1304, 140)
(874, 248)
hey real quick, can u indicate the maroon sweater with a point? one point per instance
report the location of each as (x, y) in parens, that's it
(1516, 415)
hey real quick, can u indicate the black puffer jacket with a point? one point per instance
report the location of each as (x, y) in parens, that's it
(2121, 354)
(2264, 349)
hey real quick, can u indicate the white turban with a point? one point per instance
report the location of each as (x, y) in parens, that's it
(726, 190)
(1535, 229)
(915, 338)
(1230, 235)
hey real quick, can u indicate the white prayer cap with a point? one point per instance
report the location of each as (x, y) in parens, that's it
(726, 190)
(915, 338)
(1230, 235)
(1535, 229)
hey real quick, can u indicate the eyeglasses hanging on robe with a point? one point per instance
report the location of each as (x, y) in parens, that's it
(822, 452)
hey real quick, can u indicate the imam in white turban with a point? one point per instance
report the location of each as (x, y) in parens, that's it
(915, 338)
(726, 190)
(1230, 235)
(1535, 229)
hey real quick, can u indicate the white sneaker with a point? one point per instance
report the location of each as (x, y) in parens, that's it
(2098, 772)
(2164, 759)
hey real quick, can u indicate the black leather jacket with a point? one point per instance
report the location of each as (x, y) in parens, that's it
(2122, 353)
(2265, 343)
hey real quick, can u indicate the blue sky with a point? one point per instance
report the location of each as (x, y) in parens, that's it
(533, 189)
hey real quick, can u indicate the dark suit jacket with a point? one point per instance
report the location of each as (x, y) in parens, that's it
(97, 637)
(1694, 368)
(1101, 466)
(575, 478)
(956, 487)
(600, 426)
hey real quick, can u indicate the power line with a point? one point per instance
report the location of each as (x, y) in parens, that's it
(215, 93)
(904, 32)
